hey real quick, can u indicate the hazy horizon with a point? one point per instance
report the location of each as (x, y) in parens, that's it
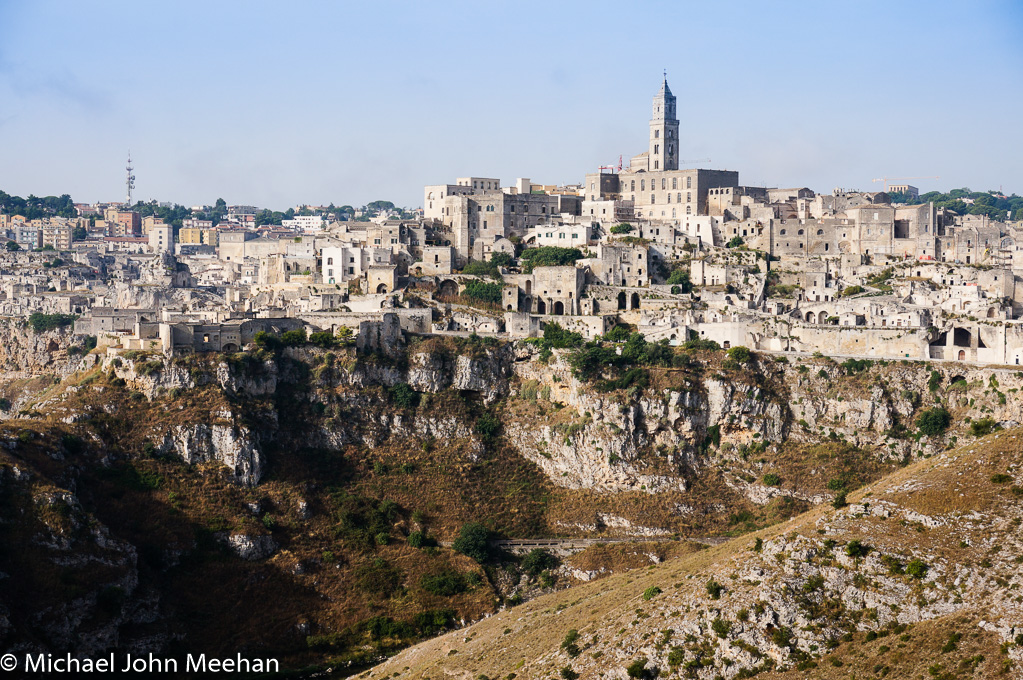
(325, 102)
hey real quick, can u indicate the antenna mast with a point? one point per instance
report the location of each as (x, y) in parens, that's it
(130, 182)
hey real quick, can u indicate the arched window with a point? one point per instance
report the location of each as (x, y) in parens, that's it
(782, 232)
(664, 183)
(669, 198)
(820, 232)
(799, 233)
(689, 210)
(689, 182)
(674, 182)
(330, 260)
(653, 199)
(689, 197)
(642, 185)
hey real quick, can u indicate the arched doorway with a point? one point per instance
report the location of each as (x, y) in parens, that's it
(559, 308)
(230, 347)
(448, 289)
(529, 287)
(822, 317)
(809, 317)
(635, 301)
(621, 300)
(382, 288)
(541, 308)
(962, 355)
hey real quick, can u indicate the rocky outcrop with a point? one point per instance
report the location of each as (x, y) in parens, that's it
(231, 445)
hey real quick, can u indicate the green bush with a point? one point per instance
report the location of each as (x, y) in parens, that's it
(47, 322)
(852, 290)
(917, 568)
(771, 479)
(721, 627)
(934, 421)
(548, 256)
(403, 396)
(983, 427)
(568, 674)
(636, 669)
(487, 426)
(416, 539)
(481, 291)
(651, 592)
(714, 589)
(559, 338)
(324, 339)
(473, 541)
(735, 242)
(538, 560)
(446, 584)
(481, 268)
(623, 228)
(840, 501)
(267, 341)
(295, 338)
(740, 354)
(569, 643)
(1001, 478)
(856, 548)
(681, 278)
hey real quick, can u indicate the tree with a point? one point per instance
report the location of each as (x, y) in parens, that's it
(473, 541)
(79, 234)
(680, 278)
(12, 246)
(623, 228)
(735, 242)
(933, 422)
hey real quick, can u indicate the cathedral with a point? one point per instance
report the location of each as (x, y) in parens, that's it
(653, 182)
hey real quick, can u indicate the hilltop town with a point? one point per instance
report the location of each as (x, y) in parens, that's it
(677, 253)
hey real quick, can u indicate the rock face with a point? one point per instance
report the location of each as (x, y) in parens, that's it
(251, 547)
(230, 445)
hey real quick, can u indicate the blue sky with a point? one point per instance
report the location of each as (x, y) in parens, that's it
(276, 104)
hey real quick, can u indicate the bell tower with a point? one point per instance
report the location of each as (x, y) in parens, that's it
(663, 131)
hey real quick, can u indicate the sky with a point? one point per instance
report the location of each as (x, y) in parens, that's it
(278, 104)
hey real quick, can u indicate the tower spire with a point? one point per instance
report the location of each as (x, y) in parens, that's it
(130, 181)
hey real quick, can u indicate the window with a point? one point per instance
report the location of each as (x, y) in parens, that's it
(657, 133)
(782, 232)
(657, 166)
(689, 182)
(653, 199)
(633, 188)
(664, 183)
(642, 185)
(674, 182)
(689, 197)
(330, 260)
(689, 211)
(657, 149)
(669, 198)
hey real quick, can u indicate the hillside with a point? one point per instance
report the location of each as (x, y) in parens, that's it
(914, 578)
(299, 502)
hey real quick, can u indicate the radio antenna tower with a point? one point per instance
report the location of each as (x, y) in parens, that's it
(130, 182)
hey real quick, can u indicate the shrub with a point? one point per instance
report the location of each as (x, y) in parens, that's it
(740, 354)
(651, 592)
(548, 256)
(568, 674)
(569, 643)
(416, 539)
(771, 479)
(267, 341)
(324, 339)
(714, 589)
(445, 584)
(781, 636)
(559, 338)
(735, 242)
(934, 421)
(623, 228)
(681, 278)
(487, 426)
(917, 568)
(721, 627)
(983, 427)
(294, 338)
(403, 396)
(481, 291)
(852, 290)
(473, 541)
(839, 501)
(636, 669)
(538, 560)
(1001, 478)
(934, 382)
(856, 548)
(478, 268)
(47, 322)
